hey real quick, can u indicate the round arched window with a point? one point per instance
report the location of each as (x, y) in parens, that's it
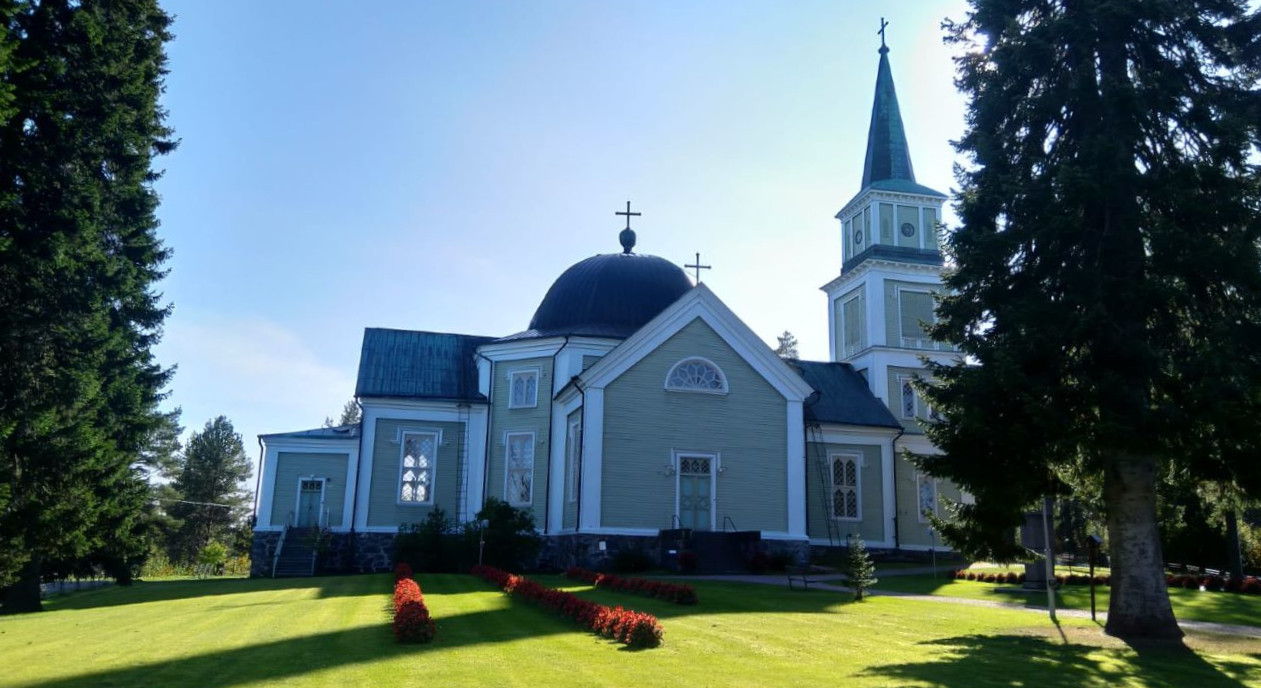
(696, 375)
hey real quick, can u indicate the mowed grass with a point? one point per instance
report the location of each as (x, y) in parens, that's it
(1188, 605)
(335, 632)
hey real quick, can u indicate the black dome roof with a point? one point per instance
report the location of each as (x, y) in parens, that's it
(610, 295)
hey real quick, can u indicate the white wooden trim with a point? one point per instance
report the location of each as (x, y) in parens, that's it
(722, 377)
(475, 444)
(591, 482)
(521, 348)
(271, 459)
(859, 465)
(889, 495)
(538, 381)
(700, 303)
(795, 468)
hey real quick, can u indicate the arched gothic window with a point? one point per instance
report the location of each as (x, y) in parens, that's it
(696, 375)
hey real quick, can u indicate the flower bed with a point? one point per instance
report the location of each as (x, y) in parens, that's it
(633, 628)
(1248, 585)
(412, 623)
(670, 592)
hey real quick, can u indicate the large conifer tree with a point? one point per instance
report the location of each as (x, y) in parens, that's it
(1107, 277)
(79, 258)
(209, 481)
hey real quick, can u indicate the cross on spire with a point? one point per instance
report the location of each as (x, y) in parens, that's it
(698, 267)
(628, 214)
(883, 24)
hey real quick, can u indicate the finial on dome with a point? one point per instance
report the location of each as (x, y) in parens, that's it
(627, 236)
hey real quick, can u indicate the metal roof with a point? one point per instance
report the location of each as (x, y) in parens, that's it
(843, 396)
(904, 254)
(608, 295)
(419, 365)
(340, 432)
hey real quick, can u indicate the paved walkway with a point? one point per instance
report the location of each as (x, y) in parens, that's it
(828, 581)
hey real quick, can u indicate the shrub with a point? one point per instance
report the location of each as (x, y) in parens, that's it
(780, 561)
(632, 561)
(412, 623)
(511, 539)
(759, 563)
(426, 545)
(213, 554)
(1250, 586)
(687, 561)
(670, 592)
(1212, 583)
(629, 627)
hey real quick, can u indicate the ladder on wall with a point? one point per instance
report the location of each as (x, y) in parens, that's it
(461, 458)
(825, 492)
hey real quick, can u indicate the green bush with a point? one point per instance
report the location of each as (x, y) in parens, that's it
(428, 546)
(512, 543)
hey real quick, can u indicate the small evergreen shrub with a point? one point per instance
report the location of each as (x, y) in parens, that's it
(860, 572)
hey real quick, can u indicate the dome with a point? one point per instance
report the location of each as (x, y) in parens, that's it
(610, 295)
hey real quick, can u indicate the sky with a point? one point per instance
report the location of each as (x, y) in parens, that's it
(436, 165)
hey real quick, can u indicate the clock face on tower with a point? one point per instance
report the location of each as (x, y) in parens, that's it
(908, 229)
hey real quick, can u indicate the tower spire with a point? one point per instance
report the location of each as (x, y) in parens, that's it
(888, 156)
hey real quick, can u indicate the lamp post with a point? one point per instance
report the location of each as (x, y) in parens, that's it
(481, 539)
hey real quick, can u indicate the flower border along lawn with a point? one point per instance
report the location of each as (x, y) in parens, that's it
(1188, 605)
(336, 632)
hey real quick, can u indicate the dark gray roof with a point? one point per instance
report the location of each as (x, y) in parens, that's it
(341, 432)
(418, 365)
(843, 396)
(888, 156)
(904, 254)
(608, 295)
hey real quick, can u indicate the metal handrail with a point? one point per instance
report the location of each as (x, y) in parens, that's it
(725, 521)
(674, 519)
(280, 544)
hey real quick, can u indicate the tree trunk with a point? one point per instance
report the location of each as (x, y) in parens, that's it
(23, 596)
(1139, 605)
(1234, 556)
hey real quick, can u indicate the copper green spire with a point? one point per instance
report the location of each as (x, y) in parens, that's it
(888, 156)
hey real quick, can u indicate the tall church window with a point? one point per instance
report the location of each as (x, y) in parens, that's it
(886, 224)
(416, 467)
(572, 449)
(696, 375)
(930, 228)
(915, 310)
(519, 487)
(853, 324)
(910, 403)
(926, 490)
(523, 389)
(846, 503)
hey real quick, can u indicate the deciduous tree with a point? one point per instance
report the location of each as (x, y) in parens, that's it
(1106, 291)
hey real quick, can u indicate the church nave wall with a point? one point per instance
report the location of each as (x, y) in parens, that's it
(384, 505)
(820, 487)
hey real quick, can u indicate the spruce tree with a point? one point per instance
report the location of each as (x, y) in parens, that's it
(79, 259)
(1106, 292)
(860, 571)
(210, 484)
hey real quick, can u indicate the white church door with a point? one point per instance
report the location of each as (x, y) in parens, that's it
(310, 502)
(696, 491)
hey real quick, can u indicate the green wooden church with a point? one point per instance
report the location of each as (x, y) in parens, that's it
(637, 409)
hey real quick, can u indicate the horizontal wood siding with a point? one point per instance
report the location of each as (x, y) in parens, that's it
(505, 420)
(643, 422)
(895, 399)
(387, 456)
(588, 361)
(871, 487)
(291, 465)
(911, 530)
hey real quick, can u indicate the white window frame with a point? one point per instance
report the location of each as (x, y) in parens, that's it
(573, 450)
(858, 485)
(715, 467)
(512, 379)
(722, 377)
(433, 468)
(925, 342)
(920, 481)
(508, 435)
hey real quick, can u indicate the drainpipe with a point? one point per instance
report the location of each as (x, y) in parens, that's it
(897, 539)
(580, 453)
(547, 478)
(258, 483)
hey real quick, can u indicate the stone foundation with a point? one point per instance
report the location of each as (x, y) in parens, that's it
(344, 553)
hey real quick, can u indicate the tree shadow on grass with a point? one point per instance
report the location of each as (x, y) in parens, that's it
(983, 660)
(293, 657)
(162, 591)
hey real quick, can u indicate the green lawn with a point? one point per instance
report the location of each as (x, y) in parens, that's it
(334, 632)
(1191, 605)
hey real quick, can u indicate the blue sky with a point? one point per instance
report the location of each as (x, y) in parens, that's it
(436, 165)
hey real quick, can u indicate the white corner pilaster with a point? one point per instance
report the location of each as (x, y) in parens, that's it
(592, 459)
(796, 470)
(889, 496)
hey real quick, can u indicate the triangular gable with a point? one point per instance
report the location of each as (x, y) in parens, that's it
(701, 303)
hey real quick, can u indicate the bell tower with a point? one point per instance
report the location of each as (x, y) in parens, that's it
(891, 263)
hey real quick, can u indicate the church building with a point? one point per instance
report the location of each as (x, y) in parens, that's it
(637, 406)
